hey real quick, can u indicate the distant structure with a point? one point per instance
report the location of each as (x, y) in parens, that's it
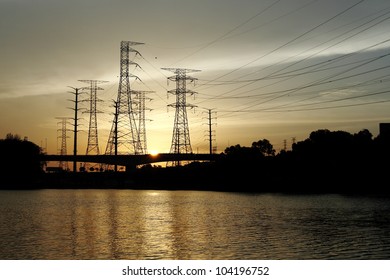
(293, 140)
(140, 99)
(63, 136)
(181, 136)
(211, 133)
(93, 140)
(76, 92)
(124, 136)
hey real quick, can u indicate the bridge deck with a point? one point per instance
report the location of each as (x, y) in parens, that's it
(131, 160)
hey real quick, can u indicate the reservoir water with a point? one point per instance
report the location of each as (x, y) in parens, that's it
(147, 224)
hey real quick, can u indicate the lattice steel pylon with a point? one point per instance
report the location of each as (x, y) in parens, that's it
(140, 99)
(63, 150)
(93, 139)
(181, 143)
(124, 136)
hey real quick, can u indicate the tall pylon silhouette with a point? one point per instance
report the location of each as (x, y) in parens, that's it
(93, 139)
(124, 136)
(63, 150)
(181, 143)
(140, 99)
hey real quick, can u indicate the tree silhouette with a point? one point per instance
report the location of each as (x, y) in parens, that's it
(265, 147)
(20, 158)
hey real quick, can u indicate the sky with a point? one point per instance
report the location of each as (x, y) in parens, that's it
(266, 69)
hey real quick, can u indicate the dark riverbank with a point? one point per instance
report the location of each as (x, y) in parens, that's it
(206, 176)
(326, 162)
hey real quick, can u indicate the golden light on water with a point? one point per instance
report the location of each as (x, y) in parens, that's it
(152, 193)
(154, 224)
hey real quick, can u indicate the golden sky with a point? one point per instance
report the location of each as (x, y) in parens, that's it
(274, 70)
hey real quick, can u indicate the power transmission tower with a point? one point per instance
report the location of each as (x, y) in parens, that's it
(124, 136)
(63, 150)
(93, 139)
(140, 98)
(293, 139)
(181, 135)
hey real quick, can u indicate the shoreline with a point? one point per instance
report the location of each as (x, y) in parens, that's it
(179, 180)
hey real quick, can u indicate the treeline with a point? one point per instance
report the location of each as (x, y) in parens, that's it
(327, 161)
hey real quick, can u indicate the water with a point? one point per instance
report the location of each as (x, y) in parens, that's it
(142, 224)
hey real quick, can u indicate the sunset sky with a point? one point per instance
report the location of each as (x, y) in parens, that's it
(269, 69)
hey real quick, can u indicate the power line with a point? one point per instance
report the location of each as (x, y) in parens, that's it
(291, 41)
(229, 32)
(273, 75)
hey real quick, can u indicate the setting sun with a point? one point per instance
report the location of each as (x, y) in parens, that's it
(154, 152)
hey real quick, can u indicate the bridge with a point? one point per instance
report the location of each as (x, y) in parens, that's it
(131, 161)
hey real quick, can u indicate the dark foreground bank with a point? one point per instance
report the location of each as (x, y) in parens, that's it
(326, 162)
(202, 176)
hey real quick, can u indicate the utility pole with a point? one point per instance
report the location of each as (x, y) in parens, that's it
(210, 131)
(76, 109)
(181, 135)
(116, 133)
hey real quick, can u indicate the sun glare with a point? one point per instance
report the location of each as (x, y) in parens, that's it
(154, 152)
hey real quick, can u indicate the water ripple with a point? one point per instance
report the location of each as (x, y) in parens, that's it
(129, 224)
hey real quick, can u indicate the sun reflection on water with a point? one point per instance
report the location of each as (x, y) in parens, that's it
(128, 224)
